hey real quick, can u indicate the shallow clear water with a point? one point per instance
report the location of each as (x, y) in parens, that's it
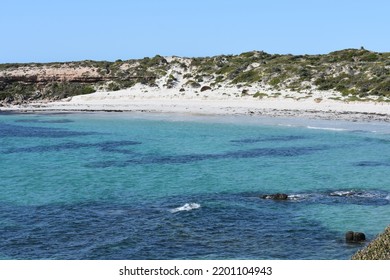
(138, 186)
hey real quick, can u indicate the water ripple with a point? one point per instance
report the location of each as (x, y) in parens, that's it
(244, 229)
(368, 163)
(189, 158)
(268, 139)
(10, 130)
(44, 121)
(107, 146)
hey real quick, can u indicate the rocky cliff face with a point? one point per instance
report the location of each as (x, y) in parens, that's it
(356, 74)
(23, 82)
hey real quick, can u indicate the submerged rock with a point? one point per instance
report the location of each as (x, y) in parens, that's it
(276, 196)
(354, 237)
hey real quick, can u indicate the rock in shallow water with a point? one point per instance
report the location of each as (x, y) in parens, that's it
(354, 237)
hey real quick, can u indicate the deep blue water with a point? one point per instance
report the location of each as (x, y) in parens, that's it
(138, 186)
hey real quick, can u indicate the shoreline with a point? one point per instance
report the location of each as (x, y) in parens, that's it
(318, 106)
(274, 113)
(376, 249)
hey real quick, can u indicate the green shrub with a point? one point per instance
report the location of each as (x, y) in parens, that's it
(260, 95)
(219, 78)
(199, 78)
(193, 84)
(247, 77)
(113, 87)
(275, 81)
(87, 90)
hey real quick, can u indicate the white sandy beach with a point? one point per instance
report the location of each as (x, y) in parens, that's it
(219, 101)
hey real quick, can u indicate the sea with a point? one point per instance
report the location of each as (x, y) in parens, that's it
(117, 185)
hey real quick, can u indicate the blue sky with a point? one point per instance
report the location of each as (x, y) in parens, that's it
(48, 30)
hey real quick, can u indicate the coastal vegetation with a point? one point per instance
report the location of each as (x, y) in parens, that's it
(357, 74)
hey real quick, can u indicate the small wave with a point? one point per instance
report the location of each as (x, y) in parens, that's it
(327, 128)
(358, 194)
(343, 193)
(349, 196)
(186, 207)
(298, 196)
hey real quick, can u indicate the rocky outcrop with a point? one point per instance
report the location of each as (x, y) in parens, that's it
(52, 81)
(354, 237)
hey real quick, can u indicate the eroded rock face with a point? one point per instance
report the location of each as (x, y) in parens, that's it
(354, 237)
(277, 196)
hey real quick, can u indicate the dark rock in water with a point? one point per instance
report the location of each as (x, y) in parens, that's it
(349, 236)
(359, 237)
(354, 237)
(277, 196)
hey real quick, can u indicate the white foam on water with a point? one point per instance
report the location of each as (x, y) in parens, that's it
(342, 193)
(359, 194)
(368, 195)
(327, 128)
(297, 196)
(186, 207)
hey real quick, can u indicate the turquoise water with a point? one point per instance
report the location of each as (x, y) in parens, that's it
(139, 186)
